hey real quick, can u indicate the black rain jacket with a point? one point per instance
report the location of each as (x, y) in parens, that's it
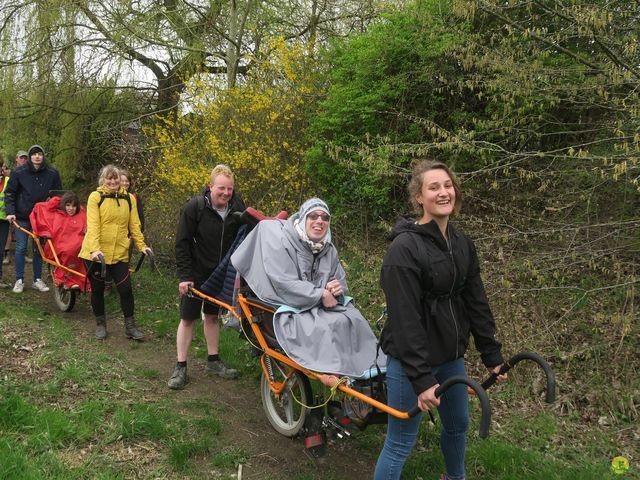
(435, 297)
(28, 186)
(201, 245)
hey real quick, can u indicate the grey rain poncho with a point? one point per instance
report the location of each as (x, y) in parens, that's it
(281, 269)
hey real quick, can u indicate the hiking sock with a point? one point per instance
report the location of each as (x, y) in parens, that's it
(213, 358)
(181, 364)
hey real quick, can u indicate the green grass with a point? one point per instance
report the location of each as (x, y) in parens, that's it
(229, 457)
(87, 398)
(182, 452)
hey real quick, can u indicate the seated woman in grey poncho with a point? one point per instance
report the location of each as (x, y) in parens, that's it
(292, 263)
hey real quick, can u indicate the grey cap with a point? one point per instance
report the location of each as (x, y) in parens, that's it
(22, 153)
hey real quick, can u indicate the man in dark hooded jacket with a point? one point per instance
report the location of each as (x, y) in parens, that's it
(28, 185)
(206, 230)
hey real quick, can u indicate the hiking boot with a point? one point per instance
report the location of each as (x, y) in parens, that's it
(101, 327)
(216, 367)
(131, 330)
(178, 378)
(40, 286)
(18, 287)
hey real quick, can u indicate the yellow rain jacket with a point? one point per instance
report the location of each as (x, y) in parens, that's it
(109, 226)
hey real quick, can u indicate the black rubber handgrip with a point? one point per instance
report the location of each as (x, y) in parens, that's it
(152, 262)
(548, 371)
(485, 420)
(139, 264)
(414, 411)
(103, 266)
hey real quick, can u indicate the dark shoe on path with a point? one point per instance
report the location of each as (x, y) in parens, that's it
(101, 327)
(131, 330)
(178, 378)
(216, 367)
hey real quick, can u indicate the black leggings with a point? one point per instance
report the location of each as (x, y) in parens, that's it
(120, 274)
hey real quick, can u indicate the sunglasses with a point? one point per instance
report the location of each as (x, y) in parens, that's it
(314, 216)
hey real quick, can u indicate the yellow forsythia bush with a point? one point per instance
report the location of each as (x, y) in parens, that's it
(257, 128)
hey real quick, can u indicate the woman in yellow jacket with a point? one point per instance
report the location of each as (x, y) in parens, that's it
(112, 217)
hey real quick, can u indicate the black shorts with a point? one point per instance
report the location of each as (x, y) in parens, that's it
(191, 307)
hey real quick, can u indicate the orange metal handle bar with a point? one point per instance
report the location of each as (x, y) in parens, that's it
(245, 304)
(197, 293)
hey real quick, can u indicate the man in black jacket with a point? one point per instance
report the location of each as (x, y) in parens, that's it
(28, 185)
(206, 230)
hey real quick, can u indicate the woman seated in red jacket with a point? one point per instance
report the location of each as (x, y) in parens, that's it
(63, 220)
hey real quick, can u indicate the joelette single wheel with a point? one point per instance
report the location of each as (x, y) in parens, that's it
(286, 409)
(65, 298)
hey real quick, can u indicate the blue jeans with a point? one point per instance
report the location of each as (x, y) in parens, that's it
(402, 434)
(21, 251)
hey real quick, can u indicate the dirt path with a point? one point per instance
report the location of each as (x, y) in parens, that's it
(244, 424)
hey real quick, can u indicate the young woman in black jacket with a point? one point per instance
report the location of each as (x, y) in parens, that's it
(435, 299)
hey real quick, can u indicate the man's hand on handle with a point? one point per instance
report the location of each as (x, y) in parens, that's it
(183, 287)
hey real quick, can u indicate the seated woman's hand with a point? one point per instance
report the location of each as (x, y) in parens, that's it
(95, 256)
(147, 251)
(328, 300)
(335, 288)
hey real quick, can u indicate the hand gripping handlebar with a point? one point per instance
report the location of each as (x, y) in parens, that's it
(485, 419)
(548, 371)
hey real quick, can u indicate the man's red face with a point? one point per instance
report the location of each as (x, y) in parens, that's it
(221, 191)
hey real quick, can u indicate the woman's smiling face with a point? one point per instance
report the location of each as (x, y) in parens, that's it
(112, 183)
(438, 195)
